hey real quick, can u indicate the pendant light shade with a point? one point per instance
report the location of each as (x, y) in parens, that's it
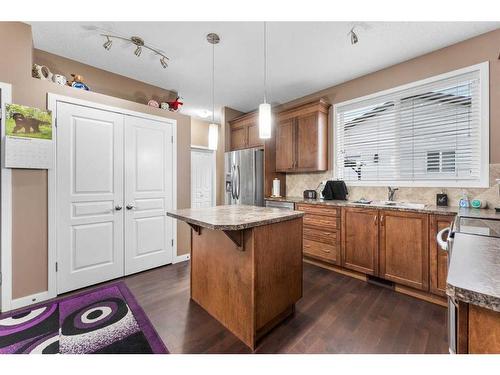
(213, 136)
(265, 119)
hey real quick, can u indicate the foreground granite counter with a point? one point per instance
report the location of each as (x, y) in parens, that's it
(246, 265)
(474, 273)
(233, 217)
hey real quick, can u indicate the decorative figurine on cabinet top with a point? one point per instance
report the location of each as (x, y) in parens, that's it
(78, 83)
(175, 105)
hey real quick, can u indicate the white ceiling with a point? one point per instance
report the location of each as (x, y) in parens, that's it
(303, 57)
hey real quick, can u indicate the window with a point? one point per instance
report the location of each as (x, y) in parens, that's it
(433, 132)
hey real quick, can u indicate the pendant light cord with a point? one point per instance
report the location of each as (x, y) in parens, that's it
(213, 83)
(265, 62)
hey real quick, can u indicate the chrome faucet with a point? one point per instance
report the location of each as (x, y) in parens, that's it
(390, 195)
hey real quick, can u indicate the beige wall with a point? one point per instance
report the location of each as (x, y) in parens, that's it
(15, 68)
(485, 47)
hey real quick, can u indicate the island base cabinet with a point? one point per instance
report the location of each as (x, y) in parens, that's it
(404, 251)
(248, 289)
(478, 330)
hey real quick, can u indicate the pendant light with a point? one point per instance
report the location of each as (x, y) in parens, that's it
(213, 128)
(265, 108)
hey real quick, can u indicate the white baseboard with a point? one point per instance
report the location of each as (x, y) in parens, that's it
(181, 258)
(30, 300)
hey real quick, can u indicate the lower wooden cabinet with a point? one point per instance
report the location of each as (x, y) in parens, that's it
(398, 246)
(438, 258)
(360, 239)
(321, 233)
(404, 248)
(478, 330)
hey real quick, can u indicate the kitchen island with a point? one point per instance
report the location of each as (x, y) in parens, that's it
(246, 265)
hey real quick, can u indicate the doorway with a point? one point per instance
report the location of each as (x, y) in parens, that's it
(202, 177)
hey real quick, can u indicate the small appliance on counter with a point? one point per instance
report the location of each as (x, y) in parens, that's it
(335, 189)
(310, 194)
(441, 199)
(276, 188)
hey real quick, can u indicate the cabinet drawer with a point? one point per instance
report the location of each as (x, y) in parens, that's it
(325, 236)
(321, 250)
(323, 222)
(319, 210)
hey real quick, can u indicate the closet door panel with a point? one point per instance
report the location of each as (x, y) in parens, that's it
(89, 191)
(148, 194)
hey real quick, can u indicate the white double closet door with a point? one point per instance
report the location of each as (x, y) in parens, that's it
(114, 186)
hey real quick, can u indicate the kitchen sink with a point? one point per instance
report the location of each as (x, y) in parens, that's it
(409, 205)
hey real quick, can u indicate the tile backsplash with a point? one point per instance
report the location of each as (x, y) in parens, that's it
(297, 183)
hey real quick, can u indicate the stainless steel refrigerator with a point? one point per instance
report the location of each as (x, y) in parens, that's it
(244, 174)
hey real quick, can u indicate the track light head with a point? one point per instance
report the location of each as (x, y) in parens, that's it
(138, 51)
(163, 63)
(354, 37)
(107, 45)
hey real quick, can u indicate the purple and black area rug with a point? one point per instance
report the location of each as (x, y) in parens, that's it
(104, 320)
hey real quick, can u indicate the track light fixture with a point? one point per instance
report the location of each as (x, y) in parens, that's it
(354, 36)
(163, 63)
(107, 45)
(139, 43)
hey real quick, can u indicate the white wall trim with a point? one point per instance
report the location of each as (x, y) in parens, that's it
(483, 69)
(6, 212)
(181, 258)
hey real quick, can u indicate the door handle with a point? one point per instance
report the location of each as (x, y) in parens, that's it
(238, 186)
(118, 207)
(130, 206)
(442, 243)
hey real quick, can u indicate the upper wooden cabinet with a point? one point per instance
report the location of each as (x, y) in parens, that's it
(245, 132)
(404, 250)
(438, 258)
(302, 138)
(360, 239)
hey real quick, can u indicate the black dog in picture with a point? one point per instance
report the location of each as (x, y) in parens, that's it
(28, 124)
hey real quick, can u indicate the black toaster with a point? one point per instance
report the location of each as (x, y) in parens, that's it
(310, 194)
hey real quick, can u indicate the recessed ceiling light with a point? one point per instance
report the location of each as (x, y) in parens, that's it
(204, 113)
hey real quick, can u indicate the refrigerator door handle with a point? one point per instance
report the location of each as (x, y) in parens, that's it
(232, 182)
(238, 184)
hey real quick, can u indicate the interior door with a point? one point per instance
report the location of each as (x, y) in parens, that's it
(148, 194)
(89, 196)
(202, 178)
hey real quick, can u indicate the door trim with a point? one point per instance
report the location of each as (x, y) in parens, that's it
(6, 212)
(52, 100)
(214, 165)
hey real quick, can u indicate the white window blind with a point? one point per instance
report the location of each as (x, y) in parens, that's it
(430, 133)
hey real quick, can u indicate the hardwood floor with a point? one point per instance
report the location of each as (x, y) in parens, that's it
(337, 314)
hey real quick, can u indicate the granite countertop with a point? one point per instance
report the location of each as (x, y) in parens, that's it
(474, 273)
(340, 203)
(233, 217)
(479, 213)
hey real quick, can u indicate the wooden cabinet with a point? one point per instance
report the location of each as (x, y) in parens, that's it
(321, 232)
(285, 154)
(244, 132)
(302, 138)
(360, 239)
(478, 330)
(404, 250)
(438, 258)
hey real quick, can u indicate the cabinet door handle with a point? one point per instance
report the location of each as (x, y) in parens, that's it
(382, 220)
(375, 220)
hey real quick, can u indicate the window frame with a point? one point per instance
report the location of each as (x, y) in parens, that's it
(484, 100)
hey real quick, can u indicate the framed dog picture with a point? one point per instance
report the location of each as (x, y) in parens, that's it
(28, 122)
(28, 138)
